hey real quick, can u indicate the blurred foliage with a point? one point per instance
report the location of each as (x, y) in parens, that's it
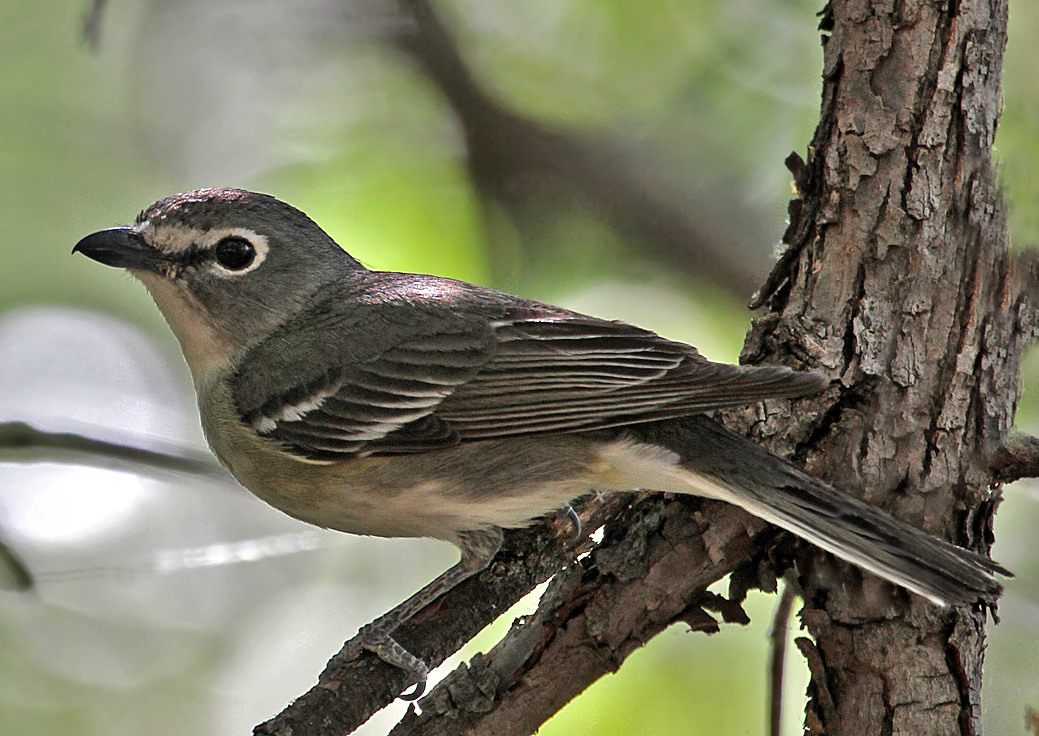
(300, 99)
(1017, 145)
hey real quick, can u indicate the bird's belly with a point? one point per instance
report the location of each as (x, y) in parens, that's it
(431, 494)
(503, 482)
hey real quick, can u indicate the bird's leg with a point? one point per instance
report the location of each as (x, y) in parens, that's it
(478, 549)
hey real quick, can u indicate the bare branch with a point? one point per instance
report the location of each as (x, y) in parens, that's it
(593, 616)
(22, 436)
(348, 693)
(780, 624)
(651, 570)
(1018, 458)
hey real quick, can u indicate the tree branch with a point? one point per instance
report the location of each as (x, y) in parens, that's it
(348, 693)
(22, 436)
(1017, 459)
(594, 615)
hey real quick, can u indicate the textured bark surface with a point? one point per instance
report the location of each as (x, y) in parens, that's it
(899, 283)
(594, 614)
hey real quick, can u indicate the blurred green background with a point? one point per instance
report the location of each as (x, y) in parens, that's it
(167, 605)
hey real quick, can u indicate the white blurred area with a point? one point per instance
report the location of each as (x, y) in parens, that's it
(146, 581)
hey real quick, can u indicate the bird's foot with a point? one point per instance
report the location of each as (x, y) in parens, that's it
(375, 638)
(478, 549)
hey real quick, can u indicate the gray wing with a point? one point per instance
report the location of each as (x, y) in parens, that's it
(389, 401)
(579, 373)
(466, 364)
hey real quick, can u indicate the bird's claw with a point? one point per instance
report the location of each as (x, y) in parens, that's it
(573, 519)
(376, 639)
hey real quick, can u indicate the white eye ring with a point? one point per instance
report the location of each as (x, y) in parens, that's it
(244, 250)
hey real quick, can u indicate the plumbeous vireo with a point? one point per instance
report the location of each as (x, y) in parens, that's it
(404, 405)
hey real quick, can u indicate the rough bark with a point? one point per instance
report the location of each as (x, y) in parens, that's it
(593, 616)
(900, 284)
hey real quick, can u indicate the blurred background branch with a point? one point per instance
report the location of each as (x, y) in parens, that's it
(23, 437)
(527, 168)
(92, 22)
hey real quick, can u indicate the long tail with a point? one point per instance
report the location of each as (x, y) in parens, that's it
(767, 486)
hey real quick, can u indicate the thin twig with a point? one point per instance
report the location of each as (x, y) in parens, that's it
(22, 436)
(778, 636)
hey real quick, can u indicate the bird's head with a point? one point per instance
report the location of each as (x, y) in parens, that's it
(224, 266)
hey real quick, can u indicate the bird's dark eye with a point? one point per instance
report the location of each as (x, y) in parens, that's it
(234, 253)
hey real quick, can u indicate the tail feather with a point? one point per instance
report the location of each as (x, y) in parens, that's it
(864, 535)
(749, 476)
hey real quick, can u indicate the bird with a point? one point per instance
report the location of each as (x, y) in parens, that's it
(408, 405)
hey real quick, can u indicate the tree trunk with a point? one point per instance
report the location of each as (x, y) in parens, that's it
(898, 283)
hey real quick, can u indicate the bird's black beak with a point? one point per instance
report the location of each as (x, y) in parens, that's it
(119, 247)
